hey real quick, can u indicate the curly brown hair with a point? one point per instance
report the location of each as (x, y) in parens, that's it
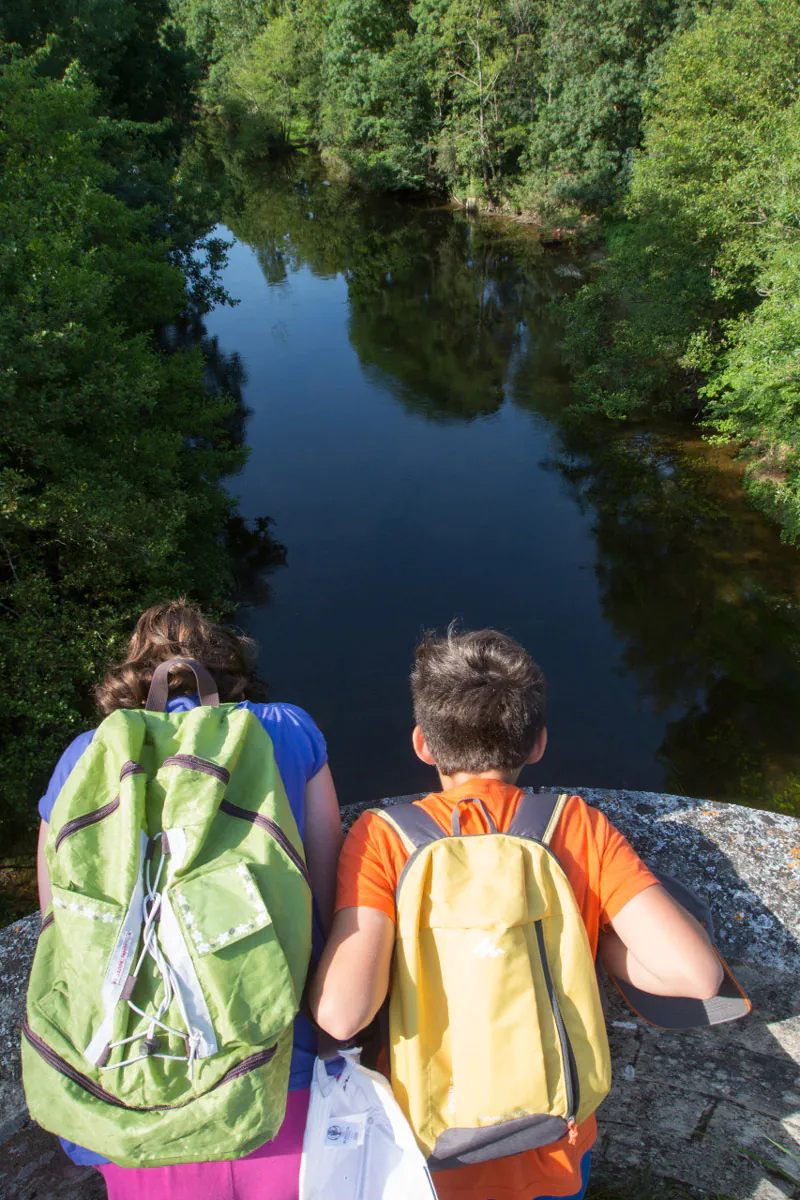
(178, 629)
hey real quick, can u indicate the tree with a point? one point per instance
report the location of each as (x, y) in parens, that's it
(113, 449)
(267, 75)
(375, 112)
(697, 300)
(131, 50)
(600, 60)
(219, 31)
(754, 398)
(468, 53)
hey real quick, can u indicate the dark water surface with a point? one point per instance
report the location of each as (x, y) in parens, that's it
(406, 397)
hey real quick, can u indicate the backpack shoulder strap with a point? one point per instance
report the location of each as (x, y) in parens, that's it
(537, 816)
(412, 824)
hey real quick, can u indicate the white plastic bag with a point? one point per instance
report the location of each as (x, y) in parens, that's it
(358, 1145)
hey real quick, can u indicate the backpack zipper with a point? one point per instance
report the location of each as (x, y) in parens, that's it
(98, 814)
(131, 768)
(191, 762)
(256, 818)
(570, 1073)
(91, 818)
(54, 1060)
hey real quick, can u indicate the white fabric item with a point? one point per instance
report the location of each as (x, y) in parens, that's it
(357, 1144)
(177, 968)
(174, 946)
(120, 962)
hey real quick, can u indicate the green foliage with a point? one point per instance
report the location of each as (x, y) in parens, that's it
(268, 76)
(599, 63)
(219, 31)
(375, 110)
(469, 48)
(697, 303)
(627, 333)
(113, 449)
(754, 398)
(486, 98)
(131, 50)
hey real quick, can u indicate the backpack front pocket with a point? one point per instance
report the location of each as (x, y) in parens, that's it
(80, 943)
(240, 963)
(476, 1051)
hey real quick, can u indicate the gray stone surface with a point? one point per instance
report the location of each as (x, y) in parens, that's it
(17, 943)
(33, 1167)
(693, 1106)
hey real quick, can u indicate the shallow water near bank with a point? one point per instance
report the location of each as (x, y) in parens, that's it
(406, 396)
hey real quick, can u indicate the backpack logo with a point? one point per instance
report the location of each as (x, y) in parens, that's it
(488, 949)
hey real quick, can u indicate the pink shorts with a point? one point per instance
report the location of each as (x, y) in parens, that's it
(272, 1171)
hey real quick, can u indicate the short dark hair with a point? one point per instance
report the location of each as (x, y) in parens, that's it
(479, 699)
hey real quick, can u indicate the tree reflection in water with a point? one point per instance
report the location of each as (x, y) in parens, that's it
(456, 318)
(255, 552)
(705, 601)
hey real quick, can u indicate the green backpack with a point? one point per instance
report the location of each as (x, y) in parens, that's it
(172, 960)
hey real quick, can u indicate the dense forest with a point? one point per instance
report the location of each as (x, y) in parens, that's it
(698, 304)
(113, 443)
(665, 132)
(533, 102)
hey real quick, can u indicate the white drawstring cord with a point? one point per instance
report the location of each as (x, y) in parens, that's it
(169, 982)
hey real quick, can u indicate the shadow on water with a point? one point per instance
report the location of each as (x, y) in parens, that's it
(254, 551)
(445, 328)
(455, 319)
(704, 599)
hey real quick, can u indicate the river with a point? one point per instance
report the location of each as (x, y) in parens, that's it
(405, 395)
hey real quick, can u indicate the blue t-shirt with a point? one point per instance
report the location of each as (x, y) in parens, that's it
(300, 752)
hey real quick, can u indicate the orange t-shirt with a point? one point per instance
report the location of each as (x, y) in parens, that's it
(605, 874)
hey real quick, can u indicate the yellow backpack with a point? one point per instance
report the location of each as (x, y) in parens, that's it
(498, 1040)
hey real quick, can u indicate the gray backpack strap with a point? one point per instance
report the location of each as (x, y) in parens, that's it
(456, 819)
(537, 815)
(413, 825)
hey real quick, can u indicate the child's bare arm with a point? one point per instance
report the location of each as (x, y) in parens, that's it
(658, 947)
(352, 979)
(323, 840)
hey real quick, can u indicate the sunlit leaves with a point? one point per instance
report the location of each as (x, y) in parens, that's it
(698, 301)
(113, 449)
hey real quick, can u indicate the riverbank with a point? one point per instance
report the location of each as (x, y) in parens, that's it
(698, 1114)
(571, 230)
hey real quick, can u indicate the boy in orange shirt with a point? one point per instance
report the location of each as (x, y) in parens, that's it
(480, 713)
